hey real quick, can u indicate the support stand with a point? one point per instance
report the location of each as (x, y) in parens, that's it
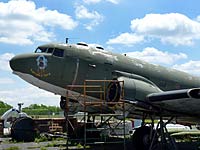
(166, 141)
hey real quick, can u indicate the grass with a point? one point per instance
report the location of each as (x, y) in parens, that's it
(43, 148)
(41, 139)
(12, 148)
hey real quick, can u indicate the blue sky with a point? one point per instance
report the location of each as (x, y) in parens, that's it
(160, 32)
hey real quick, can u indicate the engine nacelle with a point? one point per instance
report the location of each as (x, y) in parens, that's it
(135, 87)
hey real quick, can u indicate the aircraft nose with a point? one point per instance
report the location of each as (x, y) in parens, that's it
(19, 63)
(15, 63)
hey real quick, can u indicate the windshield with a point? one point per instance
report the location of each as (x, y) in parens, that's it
(41, 50)
(44, 50)
(55, 51)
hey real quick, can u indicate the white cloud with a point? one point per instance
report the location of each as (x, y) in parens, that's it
(109, 48)
(94, 45)
(126, 39)
(198, 18)
(29, 95)
(22, 23)
(172, 28)
(156, 56)
(6, 81)
(98, 1)
(4, 61)
(94, 17)
(114, 1)
(91, 1)
(192, 67)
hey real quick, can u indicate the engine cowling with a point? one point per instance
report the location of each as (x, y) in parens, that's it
(135, 87)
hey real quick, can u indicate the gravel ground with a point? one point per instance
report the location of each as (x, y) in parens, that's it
(6, 144)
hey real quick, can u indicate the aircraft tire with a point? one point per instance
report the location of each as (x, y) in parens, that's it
(141, 138)
(62, 103)
(23, 129)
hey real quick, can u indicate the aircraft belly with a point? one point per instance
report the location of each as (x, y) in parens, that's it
(60, 91)
(41, 84)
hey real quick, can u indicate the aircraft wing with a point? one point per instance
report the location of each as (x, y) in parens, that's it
(178, 102)
(146, 97)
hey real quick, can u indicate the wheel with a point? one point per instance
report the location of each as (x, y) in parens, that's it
(63, 103)
(23, 130)
(141, 138)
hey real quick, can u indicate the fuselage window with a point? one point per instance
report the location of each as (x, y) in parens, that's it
(58, 52)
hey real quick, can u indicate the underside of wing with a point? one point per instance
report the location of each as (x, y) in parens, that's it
(178, 102)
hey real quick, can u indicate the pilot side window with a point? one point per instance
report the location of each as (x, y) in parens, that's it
(58, 52)
(50, 50)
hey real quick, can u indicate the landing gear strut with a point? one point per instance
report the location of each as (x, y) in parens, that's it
(148, 138)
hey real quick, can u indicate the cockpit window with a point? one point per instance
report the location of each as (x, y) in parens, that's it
(58, 52)
(41, 50)
(50, 50)
(44, 50)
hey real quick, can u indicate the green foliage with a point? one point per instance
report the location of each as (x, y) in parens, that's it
(43, 148)
(12, 148)
(4, 107)
(33, 109)
(41, 139)
(36, 109)
(52, 144)
(79, 145)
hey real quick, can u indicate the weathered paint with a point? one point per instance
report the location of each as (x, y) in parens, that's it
(83, 62)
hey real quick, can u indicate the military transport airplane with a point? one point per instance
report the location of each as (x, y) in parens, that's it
(150, 91)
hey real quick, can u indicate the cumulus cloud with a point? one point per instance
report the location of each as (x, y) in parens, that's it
(192, 67)
(156, 56)
(126, 39)
(94, 17)
(198, 18)
(97, 1)
(4, 61)
(172, 28)
(21, 22)
(29, 95)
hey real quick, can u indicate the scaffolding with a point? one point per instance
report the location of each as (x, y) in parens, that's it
(106, 121)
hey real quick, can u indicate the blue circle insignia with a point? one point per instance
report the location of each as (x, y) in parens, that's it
(41, 62)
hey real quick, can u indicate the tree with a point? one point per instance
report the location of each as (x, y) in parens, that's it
(4, 107)
(36, 109)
